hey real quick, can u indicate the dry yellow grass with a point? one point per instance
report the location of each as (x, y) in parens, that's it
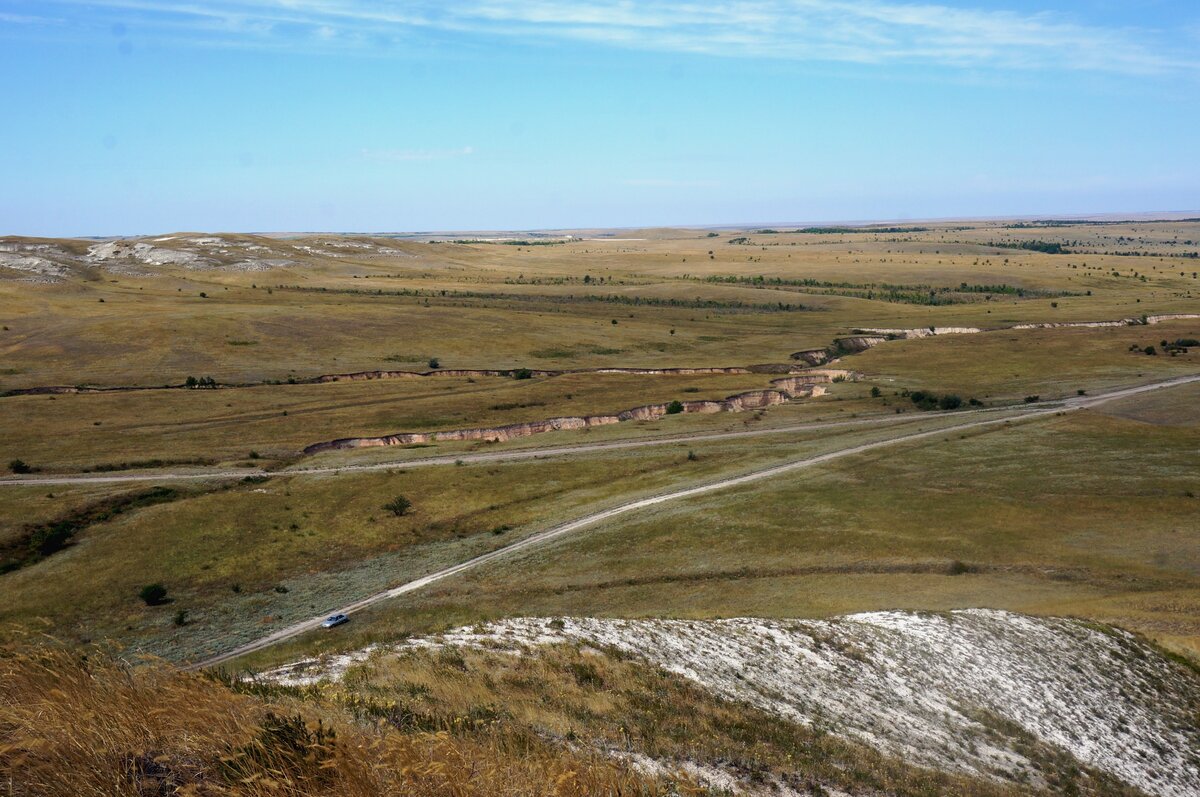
(73, 726)
(560, 722)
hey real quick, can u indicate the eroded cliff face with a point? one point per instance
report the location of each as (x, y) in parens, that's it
(809, 384)
(870, 337)
(1123, 322)
(812, 356)
(920, 332)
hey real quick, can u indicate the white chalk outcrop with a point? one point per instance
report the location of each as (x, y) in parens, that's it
(959, 691)
(32, 267)
(143, 253)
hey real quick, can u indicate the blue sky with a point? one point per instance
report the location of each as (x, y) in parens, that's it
(147, 116)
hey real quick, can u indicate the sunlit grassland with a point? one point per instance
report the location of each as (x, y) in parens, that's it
(1079, 515)
(327, 540)
(77, 431)
(1012, 364)
(158, 329)
(1088, 514)
(24, 505)
(82, 430)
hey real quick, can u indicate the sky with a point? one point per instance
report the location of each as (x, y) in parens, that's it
(150, 116)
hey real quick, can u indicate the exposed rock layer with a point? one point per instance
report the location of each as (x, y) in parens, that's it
(808, 384)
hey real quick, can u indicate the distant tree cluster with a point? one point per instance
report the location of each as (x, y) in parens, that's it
(1047, 247)
(926, 400)
(204, 381)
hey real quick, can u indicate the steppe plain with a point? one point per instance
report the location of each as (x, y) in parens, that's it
(228, 415)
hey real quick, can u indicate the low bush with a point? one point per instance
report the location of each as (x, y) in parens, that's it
(949, 402)
(398, 506)
(153, 594)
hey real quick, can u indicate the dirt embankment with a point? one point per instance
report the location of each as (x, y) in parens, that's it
(868, 338)
(807, 384)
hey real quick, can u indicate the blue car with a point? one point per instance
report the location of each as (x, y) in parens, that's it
(335, 619)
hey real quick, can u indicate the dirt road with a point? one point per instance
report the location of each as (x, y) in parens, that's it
(969, 422)
(510, 455)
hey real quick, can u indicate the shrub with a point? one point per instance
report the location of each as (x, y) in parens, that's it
(974, 402)
(1187, 343)
(153, 594)
(51, 538)
(20, 466)
(522, 373)
(949, 402)
(398, 506)
(1151, 351)
(692, 456)
(924, 399)
(434, 364)
(876, 392)
(180, 618)
(675, 407)
(1032, 399)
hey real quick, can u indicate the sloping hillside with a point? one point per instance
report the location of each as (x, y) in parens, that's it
(975, 692)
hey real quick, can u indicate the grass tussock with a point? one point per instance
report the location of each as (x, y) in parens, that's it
(75, 724)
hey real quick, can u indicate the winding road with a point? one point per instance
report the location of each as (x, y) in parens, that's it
(971, 421)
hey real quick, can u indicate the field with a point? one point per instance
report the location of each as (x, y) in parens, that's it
(158, 396)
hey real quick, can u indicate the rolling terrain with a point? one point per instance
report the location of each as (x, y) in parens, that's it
(949, 435)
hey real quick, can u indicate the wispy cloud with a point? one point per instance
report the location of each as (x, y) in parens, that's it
(856, 31)
(400, 155)
(27, 19)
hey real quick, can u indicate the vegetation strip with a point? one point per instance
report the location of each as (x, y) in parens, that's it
(886, 292)
(39, 540)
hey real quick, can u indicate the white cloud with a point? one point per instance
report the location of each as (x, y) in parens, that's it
(857, 31)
